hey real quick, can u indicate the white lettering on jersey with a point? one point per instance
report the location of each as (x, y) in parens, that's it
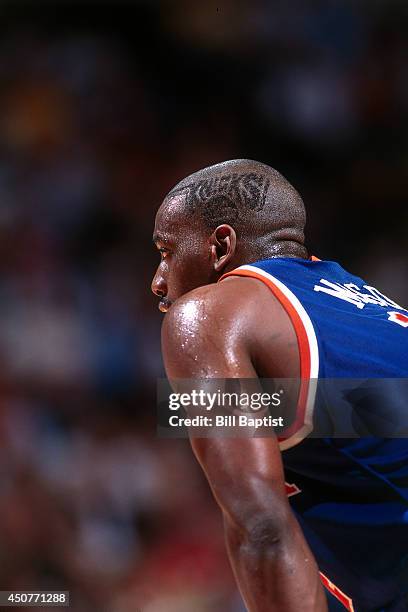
(350, 292)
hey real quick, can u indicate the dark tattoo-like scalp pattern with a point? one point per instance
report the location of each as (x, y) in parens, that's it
(264, 209)
(225, 198)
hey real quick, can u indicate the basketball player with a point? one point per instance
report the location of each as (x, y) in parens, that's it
(244, 300)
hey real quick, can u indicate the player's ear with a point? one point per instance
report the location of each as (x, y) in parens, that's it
(223, 242)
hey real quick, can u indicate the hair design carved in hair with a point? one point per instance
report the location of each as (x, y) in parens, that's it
(224, 198)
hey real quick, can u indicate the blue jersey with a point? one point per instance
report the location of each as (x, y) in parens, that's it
(350, 495)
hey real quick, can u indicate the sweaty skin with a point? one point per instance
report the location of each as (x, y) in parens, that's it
(212, 331)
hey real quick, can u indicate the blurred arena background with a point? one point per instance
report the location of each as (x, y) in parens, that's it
(104, 108)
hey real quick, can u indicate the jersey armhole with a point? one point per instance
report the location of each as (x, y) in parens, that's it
(308, 352)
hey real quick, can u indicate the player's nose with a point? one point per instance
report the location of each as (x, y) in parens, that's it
(159, 285)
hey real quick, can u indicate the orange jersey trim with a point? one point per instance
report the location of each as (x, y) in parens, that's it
(302, 340)
(338, 594)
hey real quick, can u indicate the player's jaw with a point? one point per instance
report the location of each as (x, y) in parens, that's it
(174, 279)
(166, 300)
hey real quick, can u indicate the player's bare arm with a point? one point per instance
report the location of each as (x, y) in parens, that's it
(212, 332)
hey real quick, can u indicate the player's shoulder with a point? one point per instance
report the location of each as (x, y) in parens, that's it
(233, 298)
(210, 328)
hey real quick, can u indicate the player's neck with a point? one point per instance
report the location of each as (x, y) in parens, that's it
(283, 248)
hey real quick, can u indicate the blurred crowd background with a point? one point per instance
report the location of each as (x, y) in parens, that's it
(104, 107)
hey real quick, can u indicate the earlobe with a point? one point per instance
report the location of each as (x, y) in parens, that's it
(221, 263)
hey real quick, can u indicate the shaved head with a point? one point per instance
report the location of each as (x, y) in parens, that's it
(265, 210)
